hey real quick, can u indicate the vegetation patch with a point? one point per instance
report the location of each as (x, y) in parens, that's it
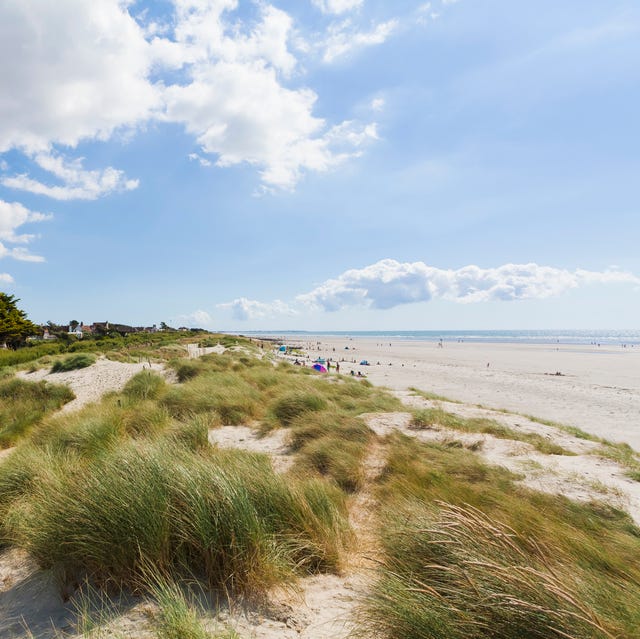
(224, 515)
(469, 554)
(73, 362)
(285, 409)
(23, 404)
(430, 417)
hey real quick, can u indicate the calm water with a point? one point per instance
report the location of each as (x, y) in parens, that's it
(603, 337)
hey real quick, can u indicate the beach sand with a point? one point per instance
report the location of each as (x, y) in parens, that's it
(598, 389)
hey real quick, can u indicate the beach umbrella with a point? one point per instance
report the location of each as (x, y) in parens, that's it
(320, 368)
(320, 360)
(283, 349)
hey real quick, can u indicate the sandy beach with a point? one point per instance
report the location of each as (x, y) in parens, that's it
(598, 389)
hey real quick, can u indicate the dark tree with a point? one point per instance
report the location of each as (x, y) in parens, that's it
(14, 325)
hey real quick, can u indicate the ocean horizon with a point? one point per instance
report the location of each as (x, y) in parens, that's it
(544, 336)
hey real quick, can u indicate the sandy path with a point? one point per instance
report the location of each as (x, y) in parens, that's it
(91, 383)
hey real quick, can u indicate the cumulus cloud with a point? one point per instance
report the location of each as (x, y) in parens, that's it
(344, 38)
(6, 278)
(235, 103)
(71, 70)
(89, 69)
(13, 215)
(78, 183)
(244, 309)
(337, 6)
(389, 283)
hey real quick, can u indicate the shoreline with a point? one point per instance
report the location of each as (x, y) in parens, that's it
(593, 388)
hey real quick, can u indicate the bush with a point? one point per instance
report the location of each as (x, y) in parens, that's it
(73, 362)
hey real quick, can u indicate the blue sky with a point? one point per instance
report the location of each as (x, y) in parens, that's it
(322, 164)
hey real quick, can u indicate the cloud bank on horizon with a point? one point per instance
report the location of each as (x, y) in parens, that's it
(389, 283)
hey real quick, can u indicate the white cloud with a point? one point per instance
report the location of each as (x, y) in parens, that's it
(245, 309)
(19, 253)
(236, 105)
(377, 104)
(12, 216)
(78, 183)
(337, 6)
(70, 70)
(389, 283)
(197, 319)
(87, 70)
(6, 278)
(344, 38)
(194, 157)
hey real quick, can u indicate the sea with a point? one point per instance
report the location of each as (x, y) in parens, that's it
(603, 337)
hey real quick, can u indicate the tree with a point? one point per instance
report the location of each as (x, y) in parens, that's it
(73, 324)
(14, 325)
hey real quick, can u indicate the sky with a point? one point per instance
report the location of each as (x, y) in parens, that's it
(322, 164)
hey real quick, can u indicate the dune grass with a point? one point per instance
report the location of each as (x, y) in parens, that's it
(23, 404)
(224, 515)
(331, 445)
(469, 554)
(431, 417)
(73, 362)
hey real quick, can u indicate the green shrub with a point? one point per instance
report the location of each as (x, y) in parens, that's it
(460, 573)
(73, 362)
(194, 434)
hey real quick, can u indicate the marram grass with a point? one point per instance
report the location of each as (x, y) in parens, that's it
(225, 515)
(468, 554)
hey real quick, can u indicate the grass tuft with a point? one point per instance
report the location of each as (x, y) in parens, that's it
(23, 404)
(73, 362)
